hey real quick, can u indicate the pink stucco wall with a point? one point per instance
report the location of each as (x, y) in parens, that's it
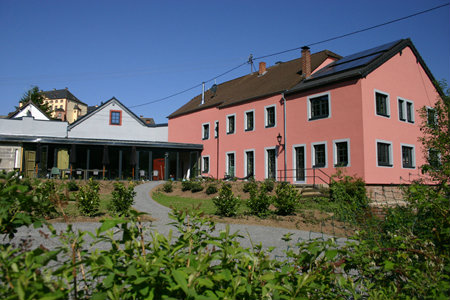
(352, 118)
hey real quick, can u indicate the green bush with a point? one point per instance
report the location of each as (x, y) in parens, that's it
(73, 186)
(122, 198)
(259, 201)
(249, 185)
(46, 196)
(211, 189)
(168, 187)
(88, 200)
(186, 185)
(196, 186)
(286, 199)
(226, 203)
(269, 183)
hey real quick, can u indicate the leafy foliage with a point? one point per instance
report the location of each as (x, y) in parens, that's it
(249, 185)
(168, 187)
(88, 200)
(269, 183)
(196, 186)
(211, 189)
(46, 195)
(186, 185)
(122, 198)
(73, 186)
(259, 201)
(286, 199)
(35, 96)
(226, 203)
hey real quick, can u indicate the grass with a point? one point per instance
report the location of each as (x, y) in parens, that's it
(190, 204)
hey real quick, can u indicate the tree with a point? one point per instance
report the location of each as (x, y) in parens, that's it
(37, 98)
(436, 136)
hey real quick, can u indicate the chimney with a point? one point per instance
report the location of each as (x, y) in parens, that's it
(262, 68)
(306, 62)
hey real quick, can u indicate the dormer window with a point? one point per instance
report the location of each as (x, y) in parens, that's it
(115, 117)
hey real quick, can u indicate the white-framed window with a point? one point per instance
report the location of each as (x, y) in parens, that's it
(216, 129)
(319, 106)
(431, 116)
(299, 162)
(270, 116)
(205, 164)
(249, 163)
(319, 155)
(434, 158)
(231, 163)
(341, 152)
(17, 160)
(408, 156)
(271, 162)
(382, 104)
(231, 124)
(384, 153)
(405, 110)
(249, 120)
(205, 131)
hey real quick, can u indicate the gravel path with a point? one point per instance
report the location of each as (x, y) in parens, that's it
(267, 236)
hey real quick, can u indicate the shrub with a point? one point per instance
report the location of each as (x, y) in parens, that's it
(259, 201)
(122, 198)
(72, 186)
(226, 203)
(88, 200)
(269, 183)
(249, 185)
(286, 199)
(211, 189)
(196, 186)
(186, 185)
(350, 194)
(45, 195)
(168, 187)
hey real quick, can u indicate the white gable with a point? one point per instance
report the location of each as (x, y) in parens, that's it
(30, 110)
(113, 121)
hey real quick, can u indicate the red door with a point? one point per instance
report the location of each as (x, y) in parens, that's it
(158, 169)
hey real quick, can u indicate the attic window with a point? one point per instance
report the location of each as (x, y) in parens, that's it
(115, 117)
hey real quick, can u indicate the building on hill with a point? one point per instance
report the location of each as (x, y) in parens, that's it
(65, 106)
(301, 120)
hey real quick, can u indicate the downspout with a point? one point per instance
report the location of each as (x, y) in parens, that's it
(284, 118)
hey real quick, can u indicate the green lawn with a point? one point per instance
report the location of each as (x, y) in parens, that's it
(206, 205)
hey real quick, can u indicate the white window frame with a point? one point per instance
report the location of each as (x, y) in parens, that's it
(203, 131)
(266, 125)
(216, 131)
(388, 103)
(313, 154)
(294, 161)
(309, 109)
(391, 155)
(245, 119)
(413, 155)
(228, 120)
(245, 162)
(404, 107)
(335, 154)
(17, 160)
(227, 162)
(266, 161)
(203, 163)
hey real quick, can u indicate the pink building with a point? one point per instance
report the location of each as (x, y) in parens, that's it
(301, 120)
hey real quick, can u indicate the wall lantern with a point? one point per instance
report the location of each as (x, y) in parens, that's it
(279, 138)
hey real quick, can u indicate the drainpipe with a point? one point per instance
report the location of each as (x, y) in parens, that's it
(284, 118)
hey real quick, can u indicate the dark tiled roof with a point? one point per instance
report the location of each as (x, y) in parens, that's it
(61, 94)
(280, 77)
(358, 65)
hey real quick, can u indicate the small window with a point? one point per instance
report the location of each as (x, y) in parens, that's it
(382, 104)
(405, 110)
(270, 116)
(205, 131)
(231, 120)
(231, 164)
(431, 117)
(271, 163)
(319, 155)
(249, 163)
(319, 107)
(216, 129)
(408, 159)
(434, 158)
(341, 153)
(249, 120)
(205, 164)
(384, 154)
(115, 117)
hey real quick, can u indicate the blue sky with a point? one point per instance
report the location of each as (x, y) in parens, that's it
(139, 51)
